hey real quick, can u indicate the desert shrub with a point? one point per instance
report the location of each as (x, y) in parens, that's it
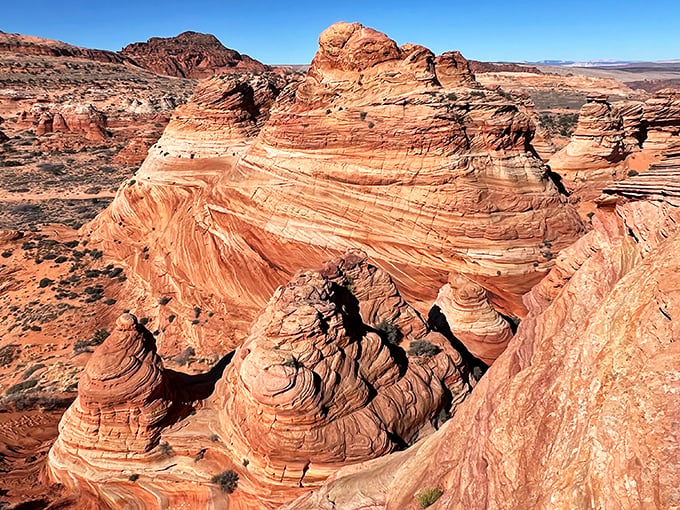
(451, 96)
(423, 348)
(45, 282)
(110, 302)
(21, 386)
(214, 438)
(116, 271)
(633, 173)
(6, 254)
(133, 477)
(99, 336)
(428, 497)
(165, 448)
(96, 254)
(12, 163)
(371, 125)
(30, 371)
(60, 260)
(183, 357)
(164, 300)
(389, 332)
(362, 115)
(227, 481)
(171, 318)
(52, 168)
(8, 354)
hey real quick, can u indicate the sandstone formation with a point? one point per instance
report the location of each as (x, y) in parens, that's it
(368, 140)
(596, 154)
(3, 137)
(662, 119)
(124, 400)
(189, 55)
(75, 118)
(322, 380)
(338, 369)
(580, 410)
(608, 134)
(472, 319)
(30, 45)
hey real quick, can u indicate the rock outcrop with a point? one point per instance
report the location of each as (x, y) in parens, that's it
(662, 120)
(580, 411)
(189, 55)
(82, 119)
(368, 140)
(30, 45)
(472, 319)
(596, 154)
(124, 401)
(338, 369)
(3, 137)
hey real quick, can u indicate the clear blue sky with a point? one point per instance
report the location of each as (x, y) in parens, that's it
(286, 32)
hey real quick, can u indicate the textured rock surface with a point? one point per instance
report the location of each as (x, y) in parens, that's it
(321, 382)
(338, 369)
(369, 140)
(580, 411)
(29, 45)
(662, 118)
(472, 319)
(596, 154)
(189, 55)
(123, 402)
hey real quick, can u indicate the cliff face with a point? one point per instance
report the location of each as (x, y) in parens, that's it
(376, 135)
(579, 411)
(189, 55)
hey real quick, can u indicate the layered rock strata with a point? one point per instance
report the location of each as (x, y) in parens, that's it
(580, 410)
(596, 154)
(472, 319)
(338, 369)
(370, 139)
(124, 401)
(189, 55)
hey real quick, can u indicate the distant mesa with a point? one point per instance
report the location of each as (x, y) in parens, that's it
(189, 55)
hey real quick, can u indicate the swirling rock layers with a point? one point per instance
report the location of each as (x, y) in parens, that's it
(318, 385)
(370, 139)
(581, 409)
(123, 403)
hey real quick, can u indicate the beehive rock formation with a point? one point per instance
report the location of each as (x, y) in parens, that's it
(596, 154)
(662, 119)
(82, 119)
(370, 139)
(321, 382)
(472, 319)
(124, 401)
(580, 410)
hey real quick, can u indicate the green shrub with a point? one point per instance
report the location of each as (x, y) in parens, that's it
(428, 497)
(389, 332)
(423, 349)
(227, 481)
(21, 386)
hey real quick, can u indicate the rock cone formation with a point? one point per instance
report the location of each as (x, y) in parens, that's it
(82, 119)
(580, 410)
(596, 154)
(370, 139)
(321, 383)
(123, 402)
(189, 55)
(472, 319)
(338, 369)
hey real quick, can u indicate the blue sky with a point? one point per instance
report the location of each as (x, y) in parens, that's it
(287, 32)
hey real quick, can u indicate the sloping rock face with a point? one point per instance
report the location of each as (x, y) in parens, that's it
(123, 402)
(472, 319)
(596, 154)
(324, 379)
(370, 139)
(30, 45)
(580, 410)
(189, 55)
